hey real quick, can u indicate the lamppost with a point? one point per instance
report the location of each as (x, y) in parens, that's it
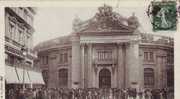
(24, 52)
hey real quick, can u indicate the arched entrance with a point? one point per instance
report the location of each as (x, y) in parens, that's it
(104, 78)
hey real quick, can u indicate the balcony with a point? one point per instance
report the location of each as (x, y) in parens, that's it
(105, 61)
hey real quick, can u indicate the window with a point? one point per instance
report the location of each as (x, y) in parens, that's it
(24, 37)
(63, 77)
(11, 30)
(145, 55)
(10, 60)
(28, 41)
(45, 60)
(16, 35)
(105, 55)
(21, 38)
(45, 76)
(151, 56)
(20, 35)
(170, 58)
(148, 56)
(170, 78)
(63, 58)
(25, 14)
(148, 77)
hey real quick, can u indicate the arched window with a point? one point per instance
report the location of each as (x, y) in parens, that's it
(104, 78)
(63, 78)
(148, 77)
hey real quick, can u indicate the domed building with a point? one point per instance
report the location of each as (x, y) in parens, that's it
(107, 51)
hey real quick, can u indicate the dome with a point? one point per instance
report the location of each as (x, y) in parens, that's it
(133, 21)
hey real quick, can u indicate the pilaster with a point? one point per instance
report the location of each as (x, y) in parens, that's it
(120, 66)
(90, 76)
(52, 73)
(76, 65)
(132, 63)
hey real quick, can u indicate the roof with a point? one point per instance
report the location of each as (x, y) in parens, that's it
(54, 42)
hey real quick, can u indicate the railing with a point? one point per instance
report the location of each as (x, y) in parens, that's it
(157, 39)
(105, 61)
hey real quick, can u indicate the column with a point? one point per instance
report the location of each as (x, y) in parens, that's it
(141, 59)
(82, 66)
(75, 69)
(120, 66)
(90, 66)
(133, 66)
(69, 68)
(164, 68)
(52, 81)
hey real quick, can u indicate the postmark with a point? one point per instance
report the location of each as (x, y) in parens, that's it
(164, 15)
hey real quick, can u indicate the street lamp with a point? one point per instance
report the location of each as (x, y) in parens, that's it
(24, 52)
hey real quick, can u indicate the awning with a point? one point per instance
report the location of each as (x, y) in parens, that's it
(23, 75)
(11, 75)
(15, 75)
(36, 77)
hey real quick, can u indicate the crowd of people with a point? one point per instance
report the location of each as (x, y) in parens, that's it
(89, 93)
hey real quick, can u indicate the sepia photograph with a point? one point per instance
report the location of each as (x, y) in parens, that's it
(105, 51)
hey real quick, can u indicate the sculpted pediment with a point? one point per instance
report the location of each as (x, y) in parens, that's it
(105, 20)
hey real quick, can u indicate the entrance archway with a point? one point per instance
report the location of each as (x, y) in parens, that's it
(104, 78)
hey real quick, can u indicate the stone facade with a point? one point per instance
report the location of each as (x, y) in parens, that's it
(107, 51)
(18, 33)
(19, 54)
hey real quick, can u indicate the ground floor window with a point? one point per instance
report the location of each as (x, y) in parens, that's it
(170, 77)
(45, 74)
(148, 77)
(63, 77)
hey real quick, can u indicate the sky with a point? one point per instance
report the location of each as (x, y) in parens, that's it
(53, 22)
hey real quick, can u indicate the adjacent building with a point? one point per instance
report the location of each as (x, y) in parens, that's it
(107, 51)
(19, 54)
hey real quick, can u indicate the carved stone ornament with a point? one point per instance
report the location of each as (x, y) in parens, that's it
(106, 20)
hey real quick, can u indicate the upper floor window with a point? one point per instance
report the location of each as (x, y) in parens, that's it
(25, 14)
(148, 56)
(170, 58)
(12, 30)
(45, 60)
(20, 31)
(63, 58)
(105, 55)
(10, 59)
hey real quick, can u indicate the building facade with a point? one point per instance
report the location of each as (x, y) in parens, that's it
(107, 51)
(19, 54)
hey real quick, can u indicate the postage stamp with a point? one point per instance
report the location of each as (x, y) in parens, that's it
(164, 15)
